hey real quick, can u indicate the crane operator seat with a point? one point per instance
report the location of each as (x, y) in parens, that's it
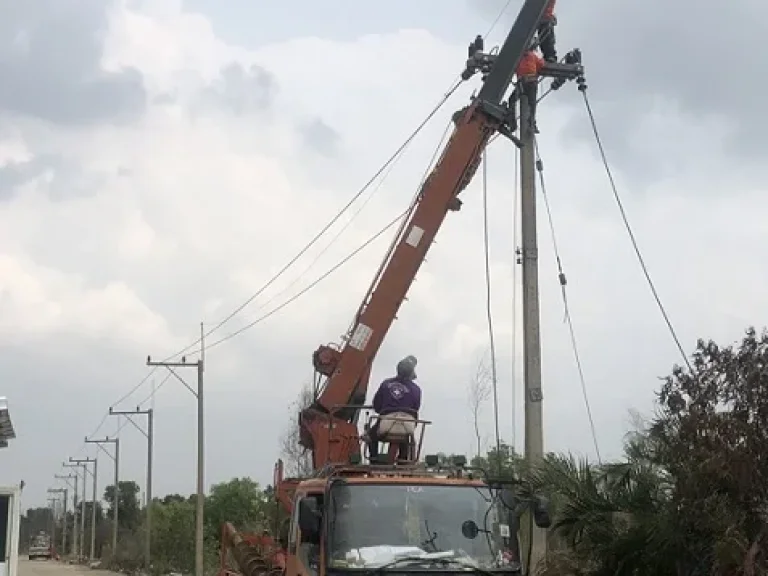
(398, 430)
(397, 427)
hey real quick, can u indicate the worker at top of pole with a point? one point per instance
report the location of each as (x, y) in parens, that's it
(546, 33)
(528, 72)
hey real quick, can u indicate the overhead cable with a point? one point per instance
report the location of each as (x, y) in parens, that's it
(563, 283)
(498, 17)
(384, 168)
(489, 309)
(631, 234)
(515, 289)
(309, 287)
(393, 158)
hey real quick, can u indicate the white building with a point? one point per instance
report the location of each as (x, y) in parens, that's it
(10, 504)
(6, 426)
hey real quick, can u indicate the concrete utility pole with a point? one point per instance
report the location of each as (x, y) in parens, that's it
(150, 436)
(65, 493)
(116, 494)
(75, 542)
(534, 421)
(95, 475)
(52, 500)
(200, 441)
(534, 424)
(81, 544)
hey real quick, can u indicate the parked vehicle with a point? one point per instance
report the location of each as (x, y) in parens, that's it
(40, 546)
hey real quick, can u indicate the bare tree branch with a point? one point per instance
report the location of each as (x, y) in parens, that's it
(298, 460)
(478, 392)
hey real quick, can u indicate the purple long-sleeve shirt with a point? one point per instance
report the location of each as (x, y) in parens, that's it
(397, 395)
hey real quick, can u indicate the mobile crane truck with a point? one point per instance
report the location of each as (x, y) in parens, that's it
(358, 515)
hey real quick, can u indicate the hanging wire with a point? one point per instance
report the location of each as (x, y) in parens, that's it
(515, 266)
(489, 311)
(631, 234)
(567, 311)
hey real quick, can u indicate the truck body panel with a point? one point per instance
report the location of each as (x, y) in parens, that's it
(40, 547)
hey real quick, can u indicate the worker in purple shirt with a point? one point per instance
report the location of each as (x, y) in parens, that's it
(397, 402)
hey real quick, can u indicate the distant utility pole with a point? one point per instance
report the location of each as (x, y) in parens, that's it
(200, 441)
(52, 503)
(84, 468)
(95, 475)
(64, 492)
(149, 435)
(529, 252)
(75, 542)
(116, 493)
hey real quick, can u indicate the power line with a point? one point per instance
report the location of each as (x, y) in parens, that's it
(392, 159)
(546, 93)
(498, 17)
(405, 219)
(119, 401)
(515, 233)
(136, 387)
(489, 309)
(155, 390)
(631, 234)
(339, 264)
(386, 167)
(309, 287)
(327, 247)
(569, 321)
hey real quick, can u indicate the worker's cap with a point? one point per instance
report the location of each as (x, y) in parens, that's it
(407, 367)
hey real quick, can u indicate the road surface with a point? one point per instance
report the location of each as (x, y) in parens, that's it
(52, 568)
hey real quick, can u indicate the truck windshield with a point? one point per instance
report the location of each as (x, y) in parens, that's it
(373, 525)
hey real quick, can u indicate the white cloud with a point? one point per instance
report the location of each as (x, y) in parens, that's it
(12, 150)
(193, 209)
(40, 302)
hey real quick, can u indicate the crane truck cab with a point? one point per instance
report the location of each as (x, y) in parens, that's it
(358, 518)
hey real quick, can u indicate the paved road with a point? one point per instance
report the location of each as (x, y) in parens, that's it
(51, 568)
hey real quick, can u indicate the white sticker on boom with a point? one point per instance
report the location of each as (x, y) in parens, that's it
(414, 236)
(360, 337)
(504, 530)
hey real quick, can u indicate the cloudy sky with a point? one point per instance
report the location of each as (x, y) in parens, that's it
(160, 160)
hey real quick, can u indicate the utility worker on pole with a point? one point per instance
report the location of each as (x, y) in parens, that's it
(546, 32)
(528, 82)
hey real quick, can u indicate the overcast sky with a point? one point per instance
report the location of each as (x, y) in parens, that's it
(160, 160)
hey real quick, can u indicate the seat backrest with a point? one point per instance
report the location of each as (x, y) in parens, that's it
(398, 426)
(411, 430)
